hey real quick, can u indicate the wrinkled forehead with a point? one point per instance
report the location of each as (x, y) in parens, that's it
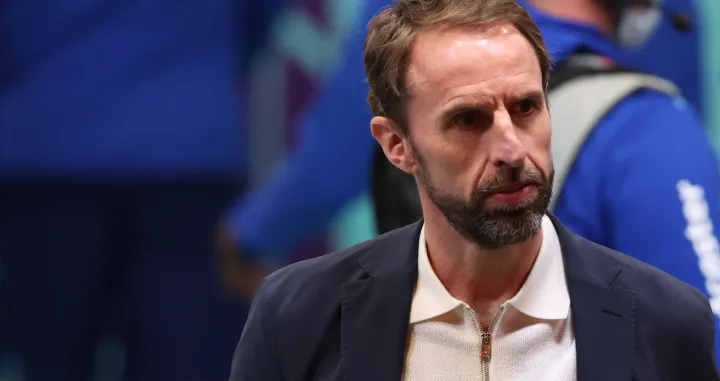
(444, 60)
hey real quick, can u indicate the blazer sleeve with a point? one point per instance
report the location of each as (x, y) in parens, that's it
(256, 357)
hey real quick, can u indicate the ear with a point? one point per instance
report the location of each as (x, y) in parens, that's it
(387, 134)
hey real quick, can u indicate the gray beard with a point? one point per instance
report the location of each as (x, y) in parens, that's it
(498, 227)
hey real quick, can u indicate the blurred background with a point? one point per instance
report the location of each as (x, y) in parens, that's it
(133, 134)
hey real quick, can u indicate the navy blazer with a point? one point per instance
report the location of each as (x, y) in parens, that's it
(344, 316)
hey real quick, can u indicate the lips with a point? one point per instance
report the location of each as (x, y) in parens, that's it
(514, 194)
(510, 188)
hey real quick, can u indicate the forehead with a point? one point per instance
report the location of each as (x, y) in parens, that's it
(494, 59)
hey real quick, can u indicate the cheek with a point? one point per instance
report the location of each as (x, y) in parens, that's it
(448, 167)
(539, 147)
(543, 131)
(542, 160)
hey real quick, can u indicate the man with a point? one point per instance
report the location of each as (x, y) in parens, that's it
(637, 177)
(486, 286)
(667, 146)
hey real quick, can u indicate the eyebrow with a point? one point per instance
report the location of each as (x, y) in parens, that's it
(529, 94)
(463, 107)
(478, 104)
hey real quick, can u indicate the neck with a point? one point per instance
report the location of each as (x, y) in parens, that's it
(589, 12)
(483, 278)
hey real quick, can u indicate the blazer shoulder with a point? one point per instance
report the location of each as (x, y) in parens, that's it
(668, 310)
(328, 268)
(309, 282)
(331, 270)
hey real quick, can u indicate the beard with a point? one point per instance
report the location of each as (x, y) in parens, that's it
(499, 226)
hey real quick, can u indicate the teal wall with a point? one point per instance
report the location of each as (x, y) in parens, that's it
(710, 22)
(355, 224)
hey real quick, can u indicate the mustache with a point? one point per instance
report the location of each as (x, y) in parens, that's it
(510, 180)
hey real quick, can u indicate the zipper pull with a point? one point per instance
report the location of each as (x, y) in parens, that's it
(486, 351)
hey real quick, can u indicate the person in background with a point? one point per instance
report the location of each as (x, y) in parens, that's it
(121, 142)
(646, 180)
(329, 167)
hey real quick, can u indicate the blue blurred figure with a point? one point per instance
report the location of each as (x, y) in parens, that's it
(121, 143)
(645, 181)
(329, 167)
(672, 51)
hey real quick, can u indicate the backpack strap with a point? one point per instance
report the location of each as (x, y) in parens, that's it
(575, 112)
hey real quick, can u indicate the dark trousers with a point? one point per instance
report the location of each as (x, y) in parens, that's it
(64, 245)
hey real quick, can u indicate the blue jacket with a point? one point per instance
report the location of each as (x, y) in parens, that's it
(329, 167)
(92, 88)
(646, 183)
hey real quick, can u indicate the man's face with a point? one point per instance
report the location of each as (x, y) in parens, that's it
(479, 132)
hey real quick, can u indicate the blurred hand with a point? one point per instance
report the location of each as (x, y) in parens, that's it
(239, 276)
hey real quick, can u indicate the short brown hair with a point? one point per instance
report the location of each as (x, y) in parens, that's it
(391, 34)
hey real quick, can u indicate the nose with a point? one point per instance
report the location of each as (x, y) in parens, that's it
(506, 149)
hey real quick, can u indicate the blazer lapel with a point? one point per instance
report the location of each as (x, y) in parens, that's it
(604, 322)
(603, 317)
(376, 309)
